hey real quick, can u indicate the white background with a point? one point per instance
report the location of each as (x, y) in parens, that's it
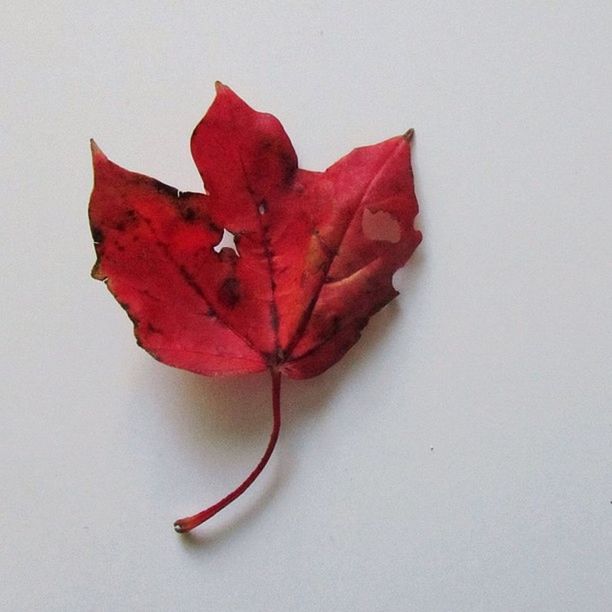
(458, 458)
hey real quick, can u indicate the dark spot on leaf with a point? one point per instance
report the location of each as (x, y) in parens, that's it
(229, 292)
(154, 330)
(165, 189)
(188, 214)
(97, 234)
(214, 228)
(129, 219)
(287, 166)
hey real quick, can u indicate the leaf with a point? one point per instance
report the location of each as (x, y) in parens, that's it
(314, 252)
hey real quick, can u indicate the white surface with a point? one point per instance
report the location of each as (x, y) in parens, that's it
(459, 458)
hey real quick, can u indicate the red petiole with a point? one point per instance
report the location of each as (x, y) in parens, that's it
(190, 522)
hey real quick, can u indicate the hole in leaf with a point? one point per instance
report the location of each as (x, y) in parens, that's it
(227, 242)
(262, 209)
(380, 226)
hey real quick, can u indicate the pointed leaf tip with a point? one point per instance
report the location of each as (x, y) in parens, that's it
(409, 135)
(96, 151)
(225, 93)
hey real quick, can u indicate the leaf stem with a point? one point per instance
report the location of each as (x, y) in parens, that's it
(190, 522)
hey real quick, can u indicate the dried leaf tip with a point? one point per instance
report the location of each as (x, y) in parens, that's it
(96, 151)
(408, 135)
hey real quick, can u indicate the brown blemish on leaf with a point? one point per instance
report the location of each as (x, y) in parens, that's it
(165, 189)
(229, 292)
(97, 234)
(188, 214)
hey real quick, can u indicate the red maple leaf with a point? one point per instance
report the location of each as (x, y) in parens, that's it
(314, 253)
